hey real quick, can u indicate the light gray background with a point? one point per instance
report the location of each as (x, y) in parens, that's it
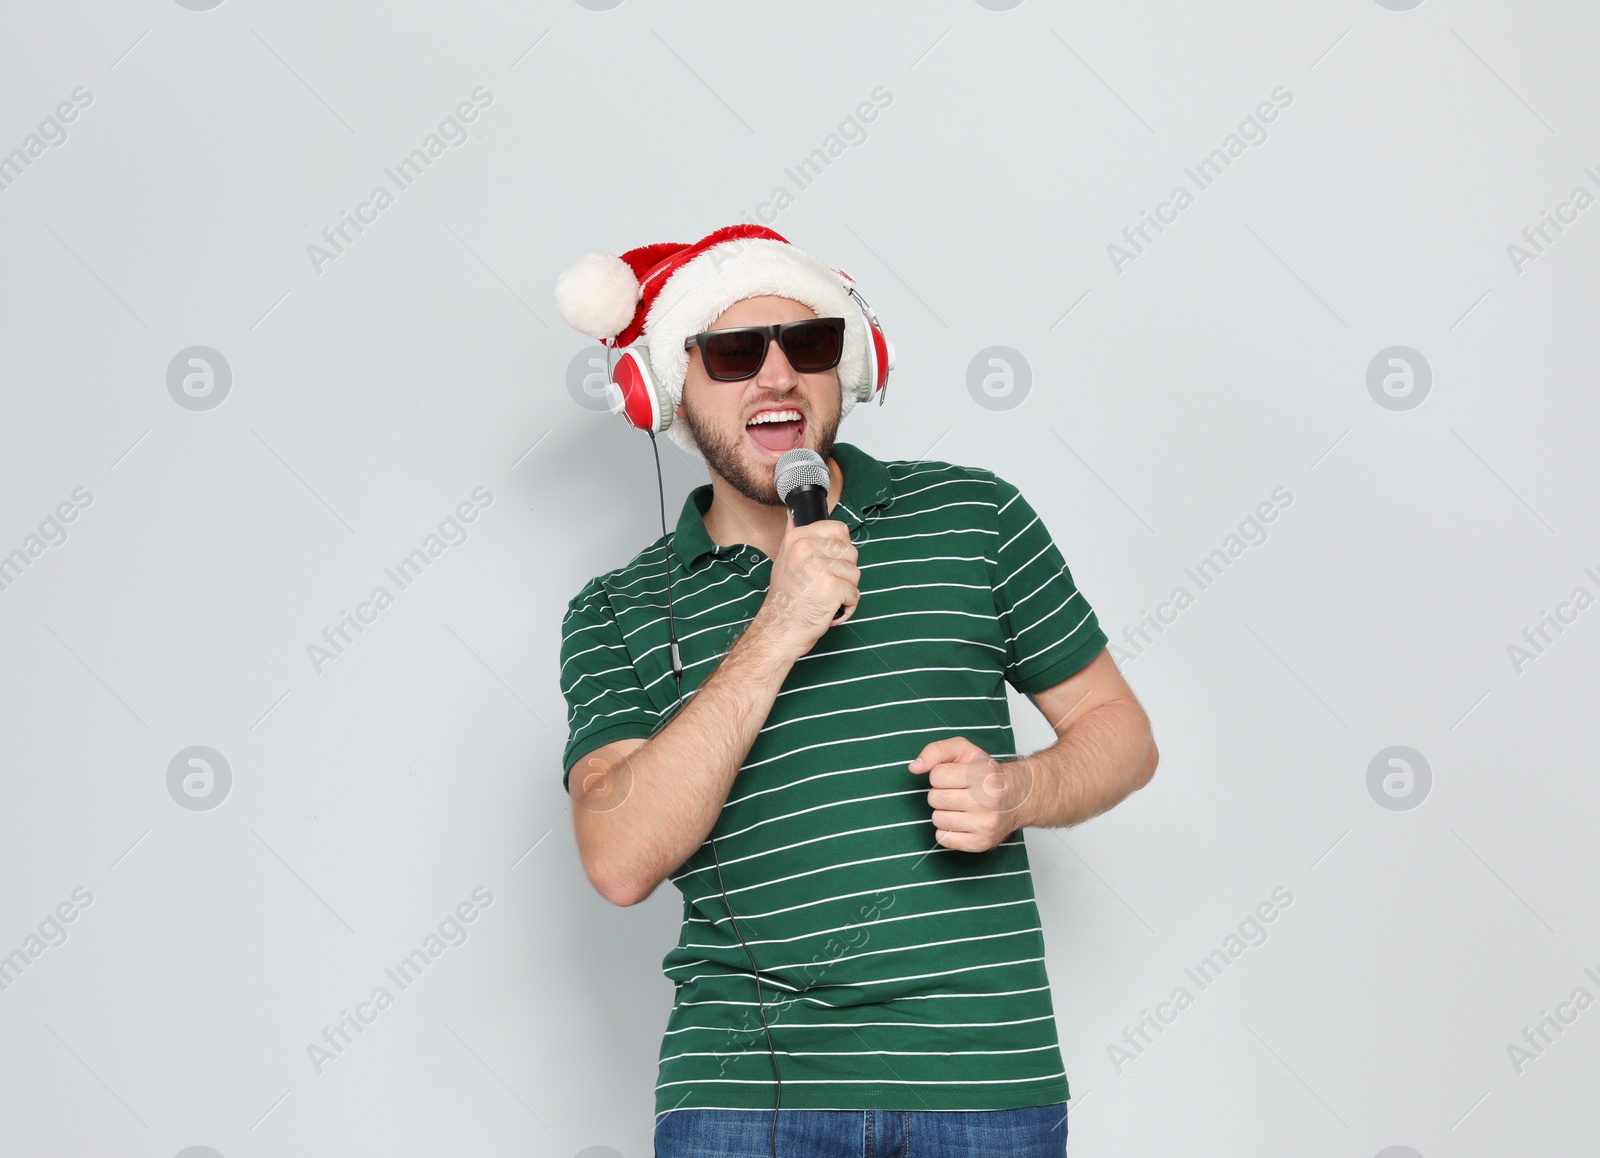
(1168, 399)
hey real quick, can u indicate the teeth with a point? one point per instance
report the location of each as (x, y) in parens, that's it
(775, 416)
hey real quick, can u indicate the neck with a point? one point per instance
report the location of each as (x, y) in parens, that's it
(736, 518)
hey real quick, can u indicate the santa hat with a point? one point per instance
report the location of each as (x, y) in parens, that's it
(664, 293)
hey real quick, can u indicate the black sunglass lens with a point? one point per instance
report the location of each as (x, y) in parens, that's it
(734, 354)
(812, 346)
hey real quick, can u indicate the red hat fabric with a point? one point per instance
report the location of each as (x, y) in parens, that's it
(665, 292)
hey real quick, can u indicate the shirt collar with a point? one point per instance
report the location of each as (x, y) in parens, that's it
(866, 486)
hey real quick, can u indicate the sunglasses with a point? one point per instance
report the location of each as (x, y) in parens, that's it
(811, 345)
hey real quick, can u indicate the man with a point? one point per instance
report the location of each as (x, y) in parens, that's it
(843, 736)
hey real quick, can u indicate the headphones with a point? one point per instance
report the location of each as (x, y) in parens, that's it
(633, 391)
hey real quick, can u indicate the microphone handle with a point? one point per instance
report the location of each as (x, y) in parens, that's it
(808, 505)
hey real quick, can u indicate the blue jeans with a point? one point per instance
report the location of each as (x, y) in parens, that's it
(1035, 1132)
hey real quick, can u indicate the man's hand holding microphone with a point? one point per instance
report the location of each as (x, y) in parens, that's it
(815, 582)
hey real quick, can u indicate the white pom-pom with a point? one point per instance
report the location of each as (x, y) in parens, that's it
(597, 295)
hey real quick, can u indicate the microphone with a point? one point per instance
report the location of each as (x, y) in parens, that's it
(801, 478)
(802, 481)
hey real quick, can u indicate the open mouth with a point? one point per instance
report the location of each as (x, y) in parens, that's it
(777, 430)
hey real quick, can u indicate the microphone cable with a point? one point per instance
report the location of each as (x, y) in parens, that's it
(677, 678)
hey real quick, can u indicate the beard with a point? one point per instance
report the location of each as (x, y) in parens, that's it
(725, 456)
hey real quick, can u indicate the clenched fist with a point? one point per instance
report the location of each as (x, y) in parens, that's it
(976, 799)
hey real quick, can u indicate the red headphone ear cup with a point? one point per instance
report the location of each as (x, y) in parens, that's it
(882, 358)
(635, 394)
(880, 351)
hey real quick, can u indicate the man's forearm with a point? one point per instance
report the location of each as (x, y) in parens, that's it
(1098, 761)
(674, 786)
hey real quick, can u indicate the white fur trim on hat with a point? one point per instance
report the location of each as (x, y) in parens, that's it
(597, 295)
(697, 294)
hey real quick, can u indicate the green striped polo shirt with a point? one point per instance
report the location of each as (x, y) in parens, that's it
(897, 974)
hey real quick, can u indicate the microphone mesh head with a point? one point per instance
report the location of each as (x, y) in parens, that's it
(799, 468)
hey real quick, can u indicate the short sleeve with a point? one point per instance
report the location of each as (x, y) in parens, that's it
(1051, 631)
(605, 700)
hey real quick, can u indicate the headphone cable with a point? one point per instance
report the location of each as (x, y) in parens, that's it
(677, 677)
